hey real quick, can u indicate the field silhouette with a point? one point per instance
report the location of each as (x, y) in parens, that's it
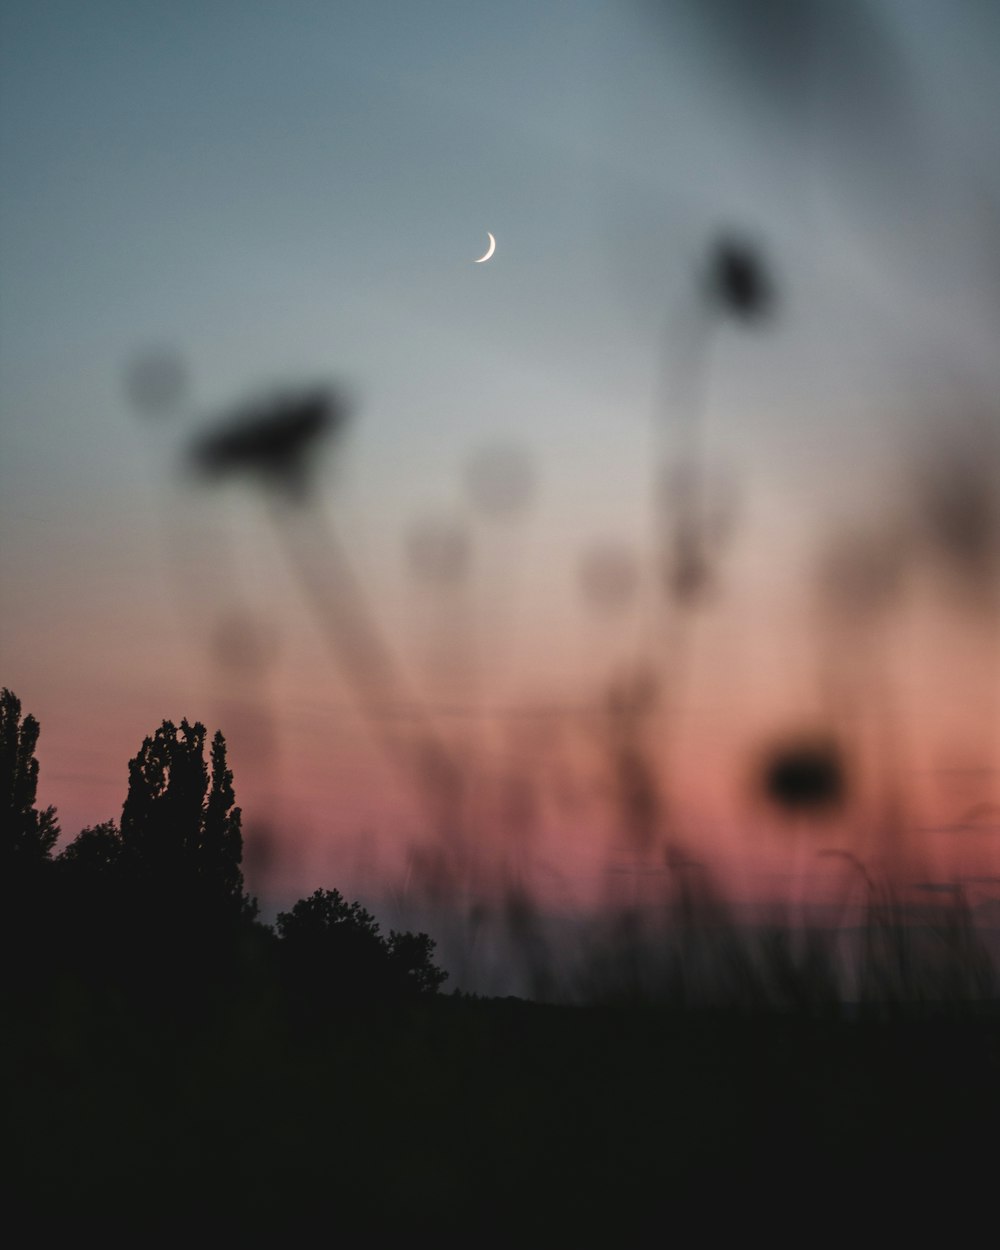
(167, 1051)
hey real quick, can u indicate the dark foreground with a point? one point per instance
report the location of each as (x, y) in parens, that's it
(494, 1122)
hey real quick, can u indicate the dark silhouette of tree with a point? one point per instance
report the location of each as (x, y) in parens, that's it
(162, 815)
(153, 910)
(181, 829)
(92, 920)
(221, 847)
(95, 852)
(410, 955)
(27, 835)
(28, 938)
(333, 953)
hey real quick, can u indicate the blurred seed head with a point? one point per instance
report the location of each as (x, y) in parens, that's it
(804, 775)
(242, 646)
(687, 571)
(957, 500)
(274, 441)
(699, 516)
(633, 695)
(439, 552)
(861, 574)
(961, 513)
(737, 281)
(500, 479)
(156, 381)
(609, 576)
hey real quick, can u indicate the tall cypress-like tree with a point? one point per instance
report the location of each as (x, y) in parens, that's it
(180, 828)
(27, 835)
(162, 815)
(221, 847)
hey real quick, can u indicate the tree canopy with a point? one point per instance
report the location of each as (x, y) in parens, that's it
(336, 947)
(180, 823)
(27, 834)
(155, 906)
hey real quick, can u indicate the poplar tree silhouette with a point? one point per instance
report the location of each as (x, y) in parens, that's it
(27, 835)
(180, 828)
(221, 847)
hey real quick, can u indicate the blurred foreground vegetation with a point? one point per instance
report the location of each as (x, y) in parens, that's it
(169, 1059)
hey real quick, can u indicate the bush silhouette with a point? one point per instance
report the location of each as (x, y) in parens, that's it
(334, 953)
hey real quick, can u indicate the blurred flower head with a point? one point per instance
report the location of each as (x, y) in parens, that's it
(500, 479)
(861, 572)
(243, 646)
(804, 775)
(274, 441)
(738, 282)
(609, 576)
(957, 502)
(156, 381)
(438, 551)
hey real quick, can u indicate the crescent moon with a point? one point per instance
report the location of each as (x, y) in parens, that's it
(489, 251)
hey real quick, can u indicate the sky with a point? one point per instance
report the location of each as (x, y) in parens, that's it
(254, 199)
